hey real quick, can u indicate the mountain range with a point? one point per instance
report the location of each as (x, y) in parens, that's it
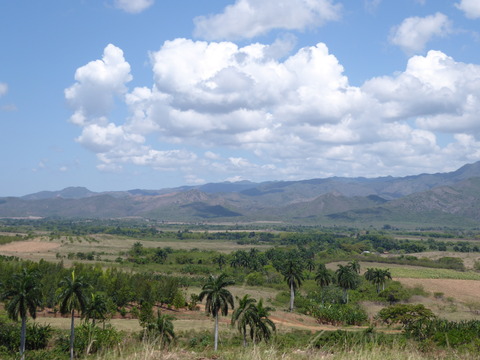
(447, 199)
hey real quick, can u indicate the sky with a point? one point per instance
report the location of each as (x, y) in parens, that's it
(150, 94)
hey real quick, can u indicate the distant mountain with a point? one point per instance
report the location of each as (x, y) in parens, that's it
(443, 198)
(67, 193)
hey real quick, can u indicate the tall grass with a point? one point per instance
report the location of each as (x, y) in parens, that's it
(269, 352)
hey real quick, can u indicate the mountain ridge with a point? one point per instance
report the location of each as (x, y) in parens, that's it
(451, 197)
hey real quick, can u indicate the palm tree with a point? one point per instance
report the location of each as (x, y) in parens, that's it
(245, 315)
(310, 264)
(323, 276)
(355, 266)
(23, 296)
(292, 274)
(96, 309)
(72, 297)
(347, 279)
(264, 326)
(163, 326)
(220, 260)
(378, 277)
(217, 298)
(383, 275)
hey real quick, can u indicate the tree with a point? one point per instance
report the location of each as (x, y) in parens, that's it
(405, 314)
(23, 296)
(220, 260)
(72, 297)
(378, 277)
(323, 277)
(355, 266)
(245, 315)
(292, 274)
(218, 298)
(347, 279)
(384, 275)
(160, 256)
(263, 326)
(96, 309)
(310, 264)
(163, 327)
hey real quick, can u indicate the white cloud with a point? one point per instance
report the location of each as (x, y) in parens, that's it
(3, 89)
(133, 6)
(471, 8)
(289, 118)
(250, 18)
(414, 33)
(97, 83)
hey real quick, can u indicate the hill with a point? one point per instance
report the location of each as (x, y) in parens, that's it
(444, 198)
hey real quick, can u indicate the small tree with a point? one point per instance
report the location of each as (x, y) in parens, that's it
(23, 296)
(405, 314)
(218, 298)
(245, 315)
(72, 297)
(292, 274)
(263, 326)
(96, 308)
(347, 279)
(162, 326)
(220, 260)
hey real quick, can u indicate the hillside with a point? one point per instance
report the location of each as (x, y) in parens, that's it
(443, 198)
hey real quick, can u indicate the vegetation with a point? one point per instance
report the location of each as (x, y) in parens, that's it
(23, 297)
(218, 299)
(155, 274)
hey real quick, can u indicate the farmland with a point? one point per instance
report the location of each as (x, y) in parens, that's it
(447, 281)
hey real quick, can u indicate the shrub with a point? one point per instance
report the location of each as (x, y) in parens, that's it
(405, 314)
(339, 314)
(38, 336)
(90, 339)
(255, 279)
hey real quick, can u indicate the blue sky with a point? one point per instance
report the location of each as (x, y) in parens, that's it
(124, 94)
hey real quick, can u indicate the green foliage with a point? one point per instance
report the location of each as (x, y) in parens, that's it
(405, 314)
(38, 336)
(339, 314)
(446, 333)
(161, 328)
(255, 279)
(9, 335)
(90, 339)
(355, 340)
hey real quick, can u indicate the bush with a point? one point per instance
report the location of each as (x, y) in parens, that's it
(90, 339)
(255, 279)
(446, 333)
(38, 336)
(339, 314)
(9, 335)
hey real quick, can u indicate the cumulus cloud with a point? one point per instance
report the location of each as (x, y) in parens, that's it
(97, 84)
(220, 110)
(250, 18)
(414, 33)
(471, 8)
(133, 6)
